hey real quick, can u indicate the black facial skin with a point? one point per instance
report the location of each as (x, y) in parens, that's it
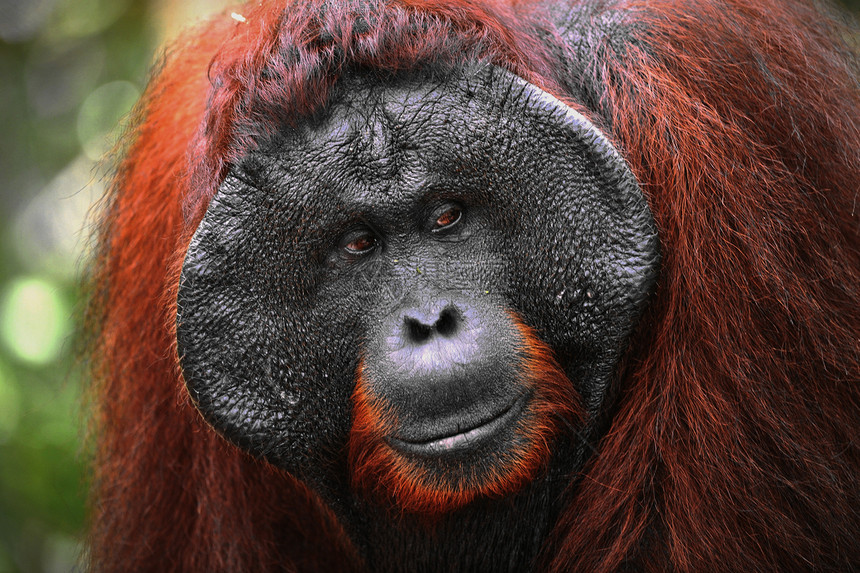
(402, 227)
(443, 367)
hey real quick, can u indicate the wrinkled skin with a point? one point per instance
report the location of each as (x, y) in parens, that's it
(401, 230)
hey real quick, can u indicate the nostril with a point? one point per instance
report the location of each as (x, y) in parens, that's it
(447, 323)
(416, 330)
(419, 327)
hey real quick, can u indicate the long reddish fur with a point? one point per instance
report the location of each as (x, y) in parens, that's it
(734, 445)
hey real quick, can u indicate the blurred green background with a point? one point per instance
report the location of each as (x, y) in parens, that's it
(69, 71)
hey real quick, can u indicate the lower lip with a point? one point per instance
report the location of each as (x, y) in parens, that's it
(466, 440)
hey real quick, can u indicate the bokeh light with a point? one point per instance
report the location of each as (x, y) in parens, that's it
(33, 320)
(86, 17)
(70, 71)
(100, 114)
(50, 231)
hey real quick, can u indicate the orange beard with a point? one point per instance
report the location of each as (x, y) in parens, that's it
(408, 484)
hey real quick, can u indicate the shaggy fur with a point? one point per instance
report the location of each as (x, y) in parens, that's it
(733, 446)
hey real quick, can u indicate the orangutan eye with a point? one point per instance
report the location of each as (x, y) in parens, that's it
(360, 243)
(448, 218)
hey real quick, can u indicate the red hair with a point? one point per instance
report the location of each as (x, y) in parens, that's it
(734, 443)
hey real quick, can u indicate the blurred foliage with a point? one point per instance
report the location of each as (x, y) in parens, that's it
(69, 71)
